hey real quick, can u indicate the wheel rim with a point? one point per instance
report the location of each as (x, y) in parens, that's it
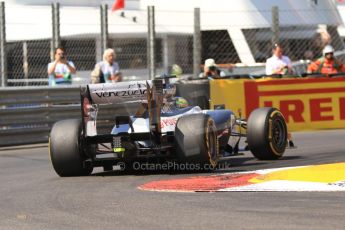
(279, 133)
(212, 144)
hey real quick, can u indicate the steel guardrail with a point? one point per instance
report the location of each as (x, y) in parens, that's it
(27, 114)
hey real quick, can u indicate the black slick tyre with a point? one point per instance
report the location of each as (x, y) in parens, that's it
(65, 149)
(267, 133)
(196, 140)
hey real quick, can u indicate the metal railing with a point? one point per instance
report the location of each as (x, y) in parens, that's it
(27, 114)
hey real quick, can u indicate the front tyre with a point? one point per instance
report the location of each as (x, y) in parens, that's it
(65, 149)
(267, 133)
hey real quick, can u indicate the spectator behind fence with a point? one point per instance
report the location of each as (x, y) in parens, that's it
(106, 71)
(60, 70)
(278, 63)
(327, 64)
(211, 70)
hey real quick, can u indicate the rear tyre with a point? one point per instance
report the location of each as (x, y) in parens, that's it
(267, 133)
(196, 140)
(65, 149)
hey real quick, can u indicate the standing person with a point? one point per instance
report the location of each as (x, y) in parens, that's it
(60, 70)
(106, 71)
(327, 64)
(278, 63)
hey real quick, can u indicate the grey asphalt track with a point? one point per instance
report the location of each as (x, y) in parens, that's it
(32, 196)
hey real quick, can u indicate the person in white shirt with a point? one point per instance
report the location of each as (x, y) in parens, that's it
(278, 63)
(106, 71)
(60, 70)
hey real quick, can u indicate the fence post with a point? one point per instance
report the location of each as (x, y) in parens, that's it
(104, 27)
(165, 44)
(151, 41)
(25, 62)
(56, 28)
(275, 25)
(3, 57)
(196, 43)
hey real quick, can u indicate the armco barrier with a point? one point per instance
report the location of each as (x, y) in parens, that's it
(307, 103)
(27, 114)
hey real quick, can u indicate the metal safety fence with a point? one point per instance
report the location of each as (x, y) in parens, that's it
(27, 114)
(150, 41)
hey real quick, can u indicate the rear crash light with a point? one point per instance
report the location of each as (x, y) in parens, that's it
(89, 110)
(89, 117)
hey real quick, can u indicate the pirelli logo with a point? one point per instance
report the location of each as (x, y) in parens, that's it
(300, 100)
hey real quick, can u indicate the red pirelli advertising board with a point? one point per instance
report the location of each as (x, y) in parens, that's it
(307, 104)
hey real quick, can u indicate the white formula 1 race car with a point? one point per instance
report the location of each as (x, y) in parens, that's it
(161, 130)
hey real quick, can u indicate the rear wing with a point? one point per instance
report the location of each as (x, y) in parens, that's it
(149, 92)
(118, 93)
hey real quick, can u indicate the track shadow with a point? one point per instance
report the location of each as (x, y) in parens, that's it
(241, 161)
(291, 158)
(150, 172)
(226, 165)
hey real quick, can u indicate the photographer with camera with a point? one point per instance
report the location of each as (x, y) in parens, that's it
(278, 63)
(211, 70)
(60, 70)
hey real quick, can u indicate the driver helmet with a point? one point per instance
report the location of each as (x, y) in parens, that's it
(180, 102)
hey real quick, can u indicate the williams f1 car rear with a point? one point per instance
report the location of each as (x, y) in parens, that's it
(159, 130)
